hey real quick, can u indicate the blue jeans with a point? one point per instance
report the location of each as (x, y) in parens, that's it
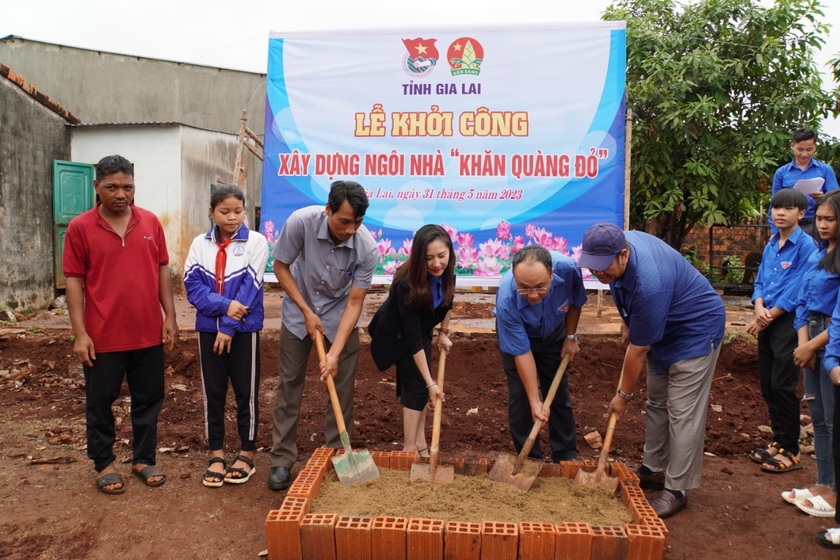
(819, 386)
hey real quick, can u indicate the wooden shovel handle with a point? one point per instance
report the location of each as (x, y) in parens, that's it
(336, 406)
(433, 449)
(549, 398)
(608, 436)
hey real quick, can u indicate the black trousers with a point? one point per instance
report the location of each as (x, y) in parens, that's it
(561, 420)
(835, 443)
(143, 371)
(779, 377)
(242, 366)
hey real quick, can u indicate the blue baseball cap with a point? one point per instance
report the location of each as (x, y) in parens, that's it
(601, 243)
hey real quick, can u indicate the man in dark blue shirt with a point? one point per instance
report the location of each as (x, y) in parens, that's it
(674, 322)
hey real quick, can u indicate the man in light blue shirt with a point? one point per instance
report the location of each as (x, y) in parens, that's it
(674, 322)
(538, 306)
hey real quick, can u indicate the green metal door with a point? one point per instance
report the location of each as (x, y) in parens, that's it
(72, 195)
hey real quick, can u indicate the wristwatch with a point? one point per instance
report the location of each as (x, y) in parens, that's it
(572, 337)
(626, 396)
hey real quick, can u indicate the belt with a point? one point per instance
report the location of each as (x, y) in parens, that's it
(823, 316)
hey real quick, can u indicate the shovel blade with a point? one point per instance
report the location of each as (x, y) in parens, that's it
(502, 471)
(441, 474)
(355, 467)
(596, 478)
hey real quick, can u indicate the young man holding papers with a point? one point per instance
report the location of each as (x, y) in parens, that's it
(806, 174)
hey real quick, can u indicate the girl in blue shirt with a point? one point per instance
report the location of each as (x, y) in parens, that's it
(817, 300)
(401, 331)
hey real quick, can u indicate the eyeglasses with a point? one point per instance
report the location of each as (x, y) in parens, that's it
(528, 291)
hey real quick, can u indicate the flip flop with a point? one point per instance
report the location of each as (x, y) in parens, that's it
(797, 495)
(829, 538)
(108, 480)
(147, 472)
(244, 475)
(218, 477)
(819, 507)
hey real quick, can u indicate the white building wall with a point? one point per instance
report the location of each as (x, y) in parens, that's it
(155, 152)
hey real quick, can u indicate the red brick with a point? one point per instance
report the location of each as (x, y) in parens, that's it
(608, 542)
(462, 541)
(424, 538)
(282, 529)
(382, 459)
(352, 538)
(476, 467)
(629, 491)
(551, 470)
(645, 542)
(536, 541)
(499, 541)
(457, 463)
(573, 541)
(640, 509)
(317, 536)
(402, 460)
(387, 538)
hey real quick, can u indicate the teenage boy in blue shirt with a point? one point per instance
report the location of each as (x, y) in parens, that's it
(804, 166)
(673, 324)
(775, 295)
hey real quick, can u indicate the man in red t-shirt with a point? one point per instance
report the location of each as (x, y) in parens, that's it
(116, 264)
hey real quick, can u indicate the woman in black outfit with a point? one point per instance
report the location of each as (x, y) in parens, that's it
(401, 331)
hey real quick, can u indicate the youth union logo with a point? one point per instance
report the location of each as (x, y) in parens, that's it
(465, 56)
(421, 58)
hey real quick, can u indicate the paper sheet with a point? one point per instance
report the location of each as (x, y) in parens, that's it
(808, 186)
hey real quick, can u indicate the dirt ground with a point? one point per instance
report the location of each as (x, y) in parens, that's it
(50, 509)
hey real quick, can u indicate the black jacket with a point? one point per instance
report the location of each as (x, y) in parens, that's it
(397, 328)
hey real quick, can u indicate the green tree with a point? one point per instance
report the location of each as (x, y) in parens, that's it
(716, 86)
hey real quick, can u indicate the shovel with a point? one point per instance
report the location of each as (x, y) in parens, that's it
(599, 476)
(354, 466)
(433, 471)
(515, 470)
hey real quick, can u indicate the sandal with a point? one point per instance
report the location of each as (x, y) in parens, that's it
(243, 474)
(797, 495)
(829, 538)
(421, 451)
(218, 477)
(818, 508)
(774, 465)
(762, 454)
(147, 472)
(109, 480)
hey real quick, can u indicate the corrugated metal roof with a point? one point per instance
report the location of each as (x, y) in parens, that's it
(41, 98)
(150, 123)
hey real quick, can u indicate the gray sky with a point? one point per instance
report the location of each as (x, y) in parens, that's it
(231, 34)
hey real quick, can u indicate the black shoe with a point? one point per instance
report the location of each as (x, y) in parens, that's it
(666, 504)
(279, 479)
(655, 481)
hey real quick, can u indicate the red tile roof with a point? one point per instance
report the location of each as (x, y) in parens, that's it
(44, 100)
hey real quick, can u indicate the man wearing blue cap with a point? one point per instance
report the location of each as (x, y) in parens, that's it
(674, 322)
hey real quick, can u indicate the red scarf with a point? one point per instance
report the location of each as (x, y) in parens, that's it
(221, 264)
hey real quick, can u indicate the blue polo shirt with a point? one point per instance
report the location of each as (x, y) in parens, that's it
(819, 290)
(832, 349)
(782, 271)
(518, 320)
(666, 303)
(787, 175)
